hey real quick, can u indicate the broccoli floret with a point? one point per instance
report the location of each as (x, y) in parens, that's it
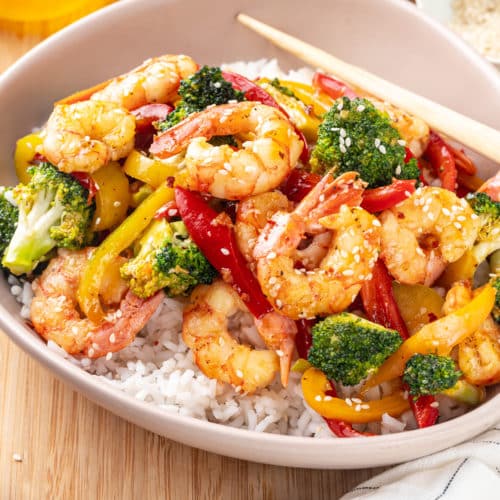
(54, 211)
(430, 374)
(204, 88)
(488, 211)
(355, 136)
(9, 213)
(348, 348)
(496, 308)
(167, 258)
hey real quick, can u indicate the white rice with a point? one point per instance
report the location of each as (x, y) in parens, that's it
(158, 367)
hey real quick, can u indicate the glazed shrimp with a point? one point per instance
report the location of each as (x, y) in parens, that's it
(255, 212)
(352, 252)
(492, 187)
(479, 354)
(414, 131)
(55, 315)
(270, 149)
(155, 81)
(84, 136)
(424, 233)
(215, 351)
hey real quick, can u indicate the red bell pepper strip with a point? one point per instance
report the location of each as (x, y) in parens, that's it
(146, 115)
(463, 163)
(384, 197)
(334, 88)
(255, 93)
(381, 307)
(408, 156)
(214, 235)
(441, 159)
(298, 183)
(303, 342)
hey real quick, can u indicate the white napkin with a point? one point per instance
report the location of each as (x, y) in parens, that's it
(469, 471)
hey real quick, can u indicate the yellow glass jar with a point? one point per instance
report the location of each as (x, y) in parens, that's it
(43, 17)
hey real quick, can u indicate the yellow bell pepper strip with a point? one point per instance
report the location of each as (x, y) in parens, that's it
(112, 196)
(151, 171)
(315, 387)
(460, 270)
(24, 154)
(467, 393)
(120, 239)
(318, 100)
(438, 337)
(298, 112)
(418, 305)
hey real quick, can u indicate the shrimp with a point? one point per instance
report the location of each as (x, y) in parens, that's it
(270, 149)
(424, 233)
(215, 351)
(155, 81)
(351, 255)
(254, 213)
(492, 187)
(413, 130)
(55, 315)
(479, 354)
(84, 136)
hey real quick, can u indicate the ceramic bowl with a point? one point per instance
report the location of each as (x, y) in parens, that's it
(391, 38)
(442, 11)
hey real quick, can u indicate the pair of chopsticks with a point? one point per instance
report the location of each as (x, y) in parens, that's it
(470, 133)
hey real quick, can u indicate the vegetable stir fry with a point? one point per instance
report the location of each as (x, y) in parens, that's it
(349, 231)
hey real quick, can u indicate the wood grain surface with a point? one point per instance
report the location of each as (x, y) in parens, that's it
(56, 444)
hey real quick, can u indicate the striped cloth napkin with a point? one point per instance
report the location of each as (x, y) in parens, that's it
(469, 471)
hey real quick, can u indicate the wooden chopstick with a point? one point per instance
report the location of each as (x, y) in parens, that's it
(469, 132)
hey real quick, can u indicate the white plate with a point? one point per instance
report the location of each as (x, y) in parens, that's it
(388, 37)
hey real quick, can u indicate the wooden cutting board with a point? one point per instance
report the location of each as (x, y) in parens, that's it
(54, 443)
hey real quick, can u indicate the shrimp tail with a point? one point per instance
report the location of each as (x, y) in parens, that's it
(278, 332)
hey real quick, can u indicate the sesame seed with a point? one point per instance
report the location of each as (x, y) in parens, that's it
(280, 353)
(343, 149)
(461, 218)
(239, 373)
(217, 85)
(342, 132)
(273, 280)
(356, 400)
(271, 255)
(434, 404)
(112, 338)
(408, 194)
(318, 398)
(90, 352)
(446, 211)
(360, 108)
(117, 203)
(420, 252)
(109, 356)
(327, 398)
(348, 141)
(340, 105)
(224, 251)
(171, 212)
(382, 149)
(402, 142)
(365, 406)
(397, 170)
(377, 142)
(357, 408)
(348, 272)
(457, 225)
(98, 221)
(279, 303)
(376, 222)
(348, 402)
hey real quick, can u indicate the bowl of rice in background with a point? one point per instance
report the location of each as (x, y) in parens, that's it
(153, 382)
(476, 21)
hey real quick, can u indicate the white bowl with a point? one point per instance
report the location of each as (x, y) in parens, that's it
(388, 37)
(442, 11)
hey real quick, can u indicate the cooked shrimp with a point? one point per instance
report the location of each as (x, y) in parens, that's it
(55, 315)
(270, 149)
(424, 233)
(84, 136)
(414, 131)
(155, 81)
(492, 187)
(479, 354)
(352, 252)
(255, 212)
(215, 351)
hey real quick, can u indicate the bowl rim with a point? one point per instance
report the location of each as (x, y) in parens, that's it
(113, 399)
